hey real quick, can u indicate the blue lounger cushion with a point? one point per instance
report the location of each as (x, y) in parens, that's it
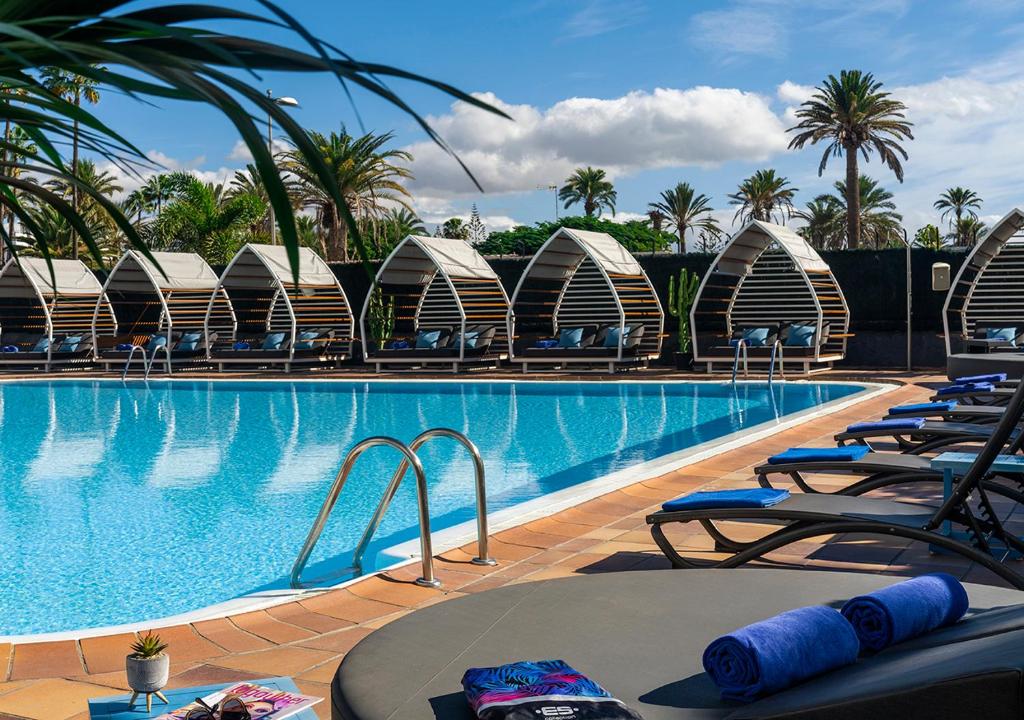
(902, 423)
(546, 344)
(1006, 334)
(397, 345)
(42, 345)
(570, 338)
(9, 349)
(745, 498)
(847, 453)
(272, 341)
(777, 653)
(990, 378)
(305, 339)
(929, 407)
(905, 610)
(965, 388)
(241, 345)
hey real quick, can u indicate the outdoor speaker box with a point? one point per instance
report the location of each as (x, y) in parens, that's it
(940, 277)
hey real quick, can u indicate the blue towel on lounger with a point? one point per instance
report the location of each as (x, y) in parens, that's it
(748, 498)
(847, 453)
(10, 348)
(928, 407)
(546, 344)
(397, 345)
(901, 423)
(965, 388)
(123, 347)
(777, 653)
(906, 610)
(990, 378)
(241, 346)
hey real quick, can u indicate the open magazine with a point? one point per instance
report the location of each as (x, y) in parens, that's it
(263, 703)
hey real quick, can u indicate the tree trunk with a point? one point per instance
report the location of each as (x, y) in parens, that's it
(960, 238)
(588, 207)
(6, 171)
(852, 200)
(334, 239)
(682, 238)
(74, 172)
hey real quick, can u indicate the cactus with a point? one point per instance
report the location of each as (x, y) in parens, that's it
(680, 300)
(382, 317)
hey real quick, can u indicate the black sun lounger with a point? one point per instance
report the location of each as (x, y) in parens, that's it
(809, 515)
(932, 435)
(977, 414)
(995, 396)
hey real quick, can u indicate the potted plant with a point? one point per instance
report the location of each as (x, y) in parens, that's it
(148, 667)
(680, 299)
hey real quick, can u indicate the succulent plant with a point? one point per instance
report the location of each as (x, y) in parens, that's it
(148, 646)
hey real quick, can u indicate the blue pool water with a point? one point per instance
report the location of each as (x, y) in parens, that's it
(126, 503)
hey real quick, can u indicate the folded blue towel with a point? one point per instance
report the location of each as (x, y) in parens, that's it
(397, 345)
(901, 423)
(10, 348)
(749, 498)
(241, 346)
(123, 347)
(779, 652)
(546, 344)
(906, 610)
(847, 453)
(990, 378)
(928, 407)
(965, 388)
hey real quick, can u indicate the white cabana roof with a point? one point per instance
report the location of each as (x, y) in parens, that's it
(176, 271)
(990, 245)
(418, 258)
(274, 259)
(29, 276)
(743, 249)
(564, 250)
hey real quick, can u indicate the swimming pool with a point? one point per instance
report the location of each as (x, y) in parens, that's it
(120, 504)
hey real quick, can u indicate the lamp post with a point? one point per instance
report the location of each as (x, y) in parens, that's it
(284, 101)
(554, 189)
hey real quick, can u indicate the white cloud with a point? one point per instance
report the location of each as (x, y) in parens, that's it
(700, 126)
(740, 31)
(599, 17)
(164, 163)
(241, 153)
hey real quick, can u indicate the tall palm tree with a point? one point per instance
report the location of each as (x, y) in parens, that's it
(824, 217)
(853, 115)
(684, 209)
(96, 216)
(958, 202)
(249, 182)
(18, 146)
(203, 219)
(368, 175)
(74, 88)
(591, 187)
(762, 196)
(968, 231)
(878, 219)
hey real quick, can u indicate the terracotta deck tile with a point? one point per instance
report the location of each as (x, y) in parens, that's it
(225, 634)
(51, 699)
(323, 673)
(556, 526)
(459, 561)
(337, 642)
(296, 614)
(550, 557)
(117, 679)
(581, 516)
(208, 675)
(46, 660)
(380, 622)
(344, 605)
(285, 660)
(6, 653)
(603, 533)
(106, 654)
(383, 589)
(262, 624)
(6, 687)
(186, 645)
(323, 690)
(505, 552)
(529, 538)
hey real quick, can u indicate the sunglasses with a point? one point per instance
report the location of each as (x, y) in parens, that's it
(230, 708)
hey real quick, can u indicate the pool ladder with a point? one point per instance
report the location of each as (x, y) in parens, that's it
(741, 345)
(147, 364)
(409, 459)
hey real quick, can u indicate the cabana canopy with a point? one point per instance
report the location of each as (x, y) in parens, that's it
(580, 278)
(989, 288)
(438, 283)
(768, 276)
(35, 303)
(171, 295)
(266, 299)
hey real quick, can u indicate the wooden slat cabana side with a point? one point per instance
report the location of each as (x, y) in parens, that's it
(436, 284)
(583, 279)
(168, 298)
(767, 276)
(988, 291)
(36, 305)
(311, 318)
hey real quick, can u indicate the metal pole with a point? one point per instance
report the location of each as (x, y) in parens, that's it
(270, 149)
(910, 303)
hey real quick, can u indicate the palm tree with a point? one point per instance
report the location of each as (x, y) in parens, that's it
(958, 202)
(203, 219)
(929, 238)
(853, 115)
(763, 195)
(824, 218)
(249, 182)
(367, 175)
(878, 218)
(684, 209)
(19, 146)
(95, 215)
(589, 186)
(967, 231)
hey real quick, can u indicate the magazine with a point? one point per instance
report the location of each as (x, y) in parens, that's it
(263, 703)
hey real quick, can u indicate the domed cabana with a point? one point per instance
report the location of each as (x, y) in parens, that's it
(46, 319)
(435, 301)
(279, 322)
(772, 290)
(162, 303)
(584, 300)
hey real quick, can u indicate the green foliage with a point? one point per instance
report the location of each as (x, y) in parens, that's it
(453, 228)
(929, 237)
(148, 646)
(879, 221)
(203, 219)
(958, 205)
(591, 187)
(684, 209)
(382, 316)
(762, 196)
(680, 299)
(635, 235)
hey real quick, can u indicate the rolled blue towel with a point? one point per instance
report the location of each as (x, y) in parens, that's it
(990, 378)
(777, 653)
(10, 348)
(241, 346)
(123, 347)
(546, 344)
(965, 388)
(928, 407)
(901, 423)
(906, 610)
(847, 453)
(398, 345)
(747, 498)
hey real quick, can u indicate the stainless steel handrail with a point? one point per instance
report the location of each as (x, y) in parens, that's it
(128, 363)
(152, 359)
(777, 352)
(741, 344)
(482, 558)
(426, 549)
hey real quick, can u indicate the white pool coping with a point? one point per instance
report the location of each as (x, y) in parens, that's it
(446, 539)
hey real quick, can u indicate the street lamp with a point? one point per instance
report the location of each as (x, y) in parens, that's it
(285, 101)
(554, 189)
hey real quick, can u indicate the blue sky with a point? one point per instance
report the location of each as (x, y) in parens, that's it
(654, 91)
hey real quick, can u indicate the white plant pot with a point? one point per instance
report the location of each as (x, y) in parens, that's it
(147, 675)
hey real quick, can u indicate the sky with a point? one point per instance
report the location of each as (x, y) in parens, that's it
(654, 91)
